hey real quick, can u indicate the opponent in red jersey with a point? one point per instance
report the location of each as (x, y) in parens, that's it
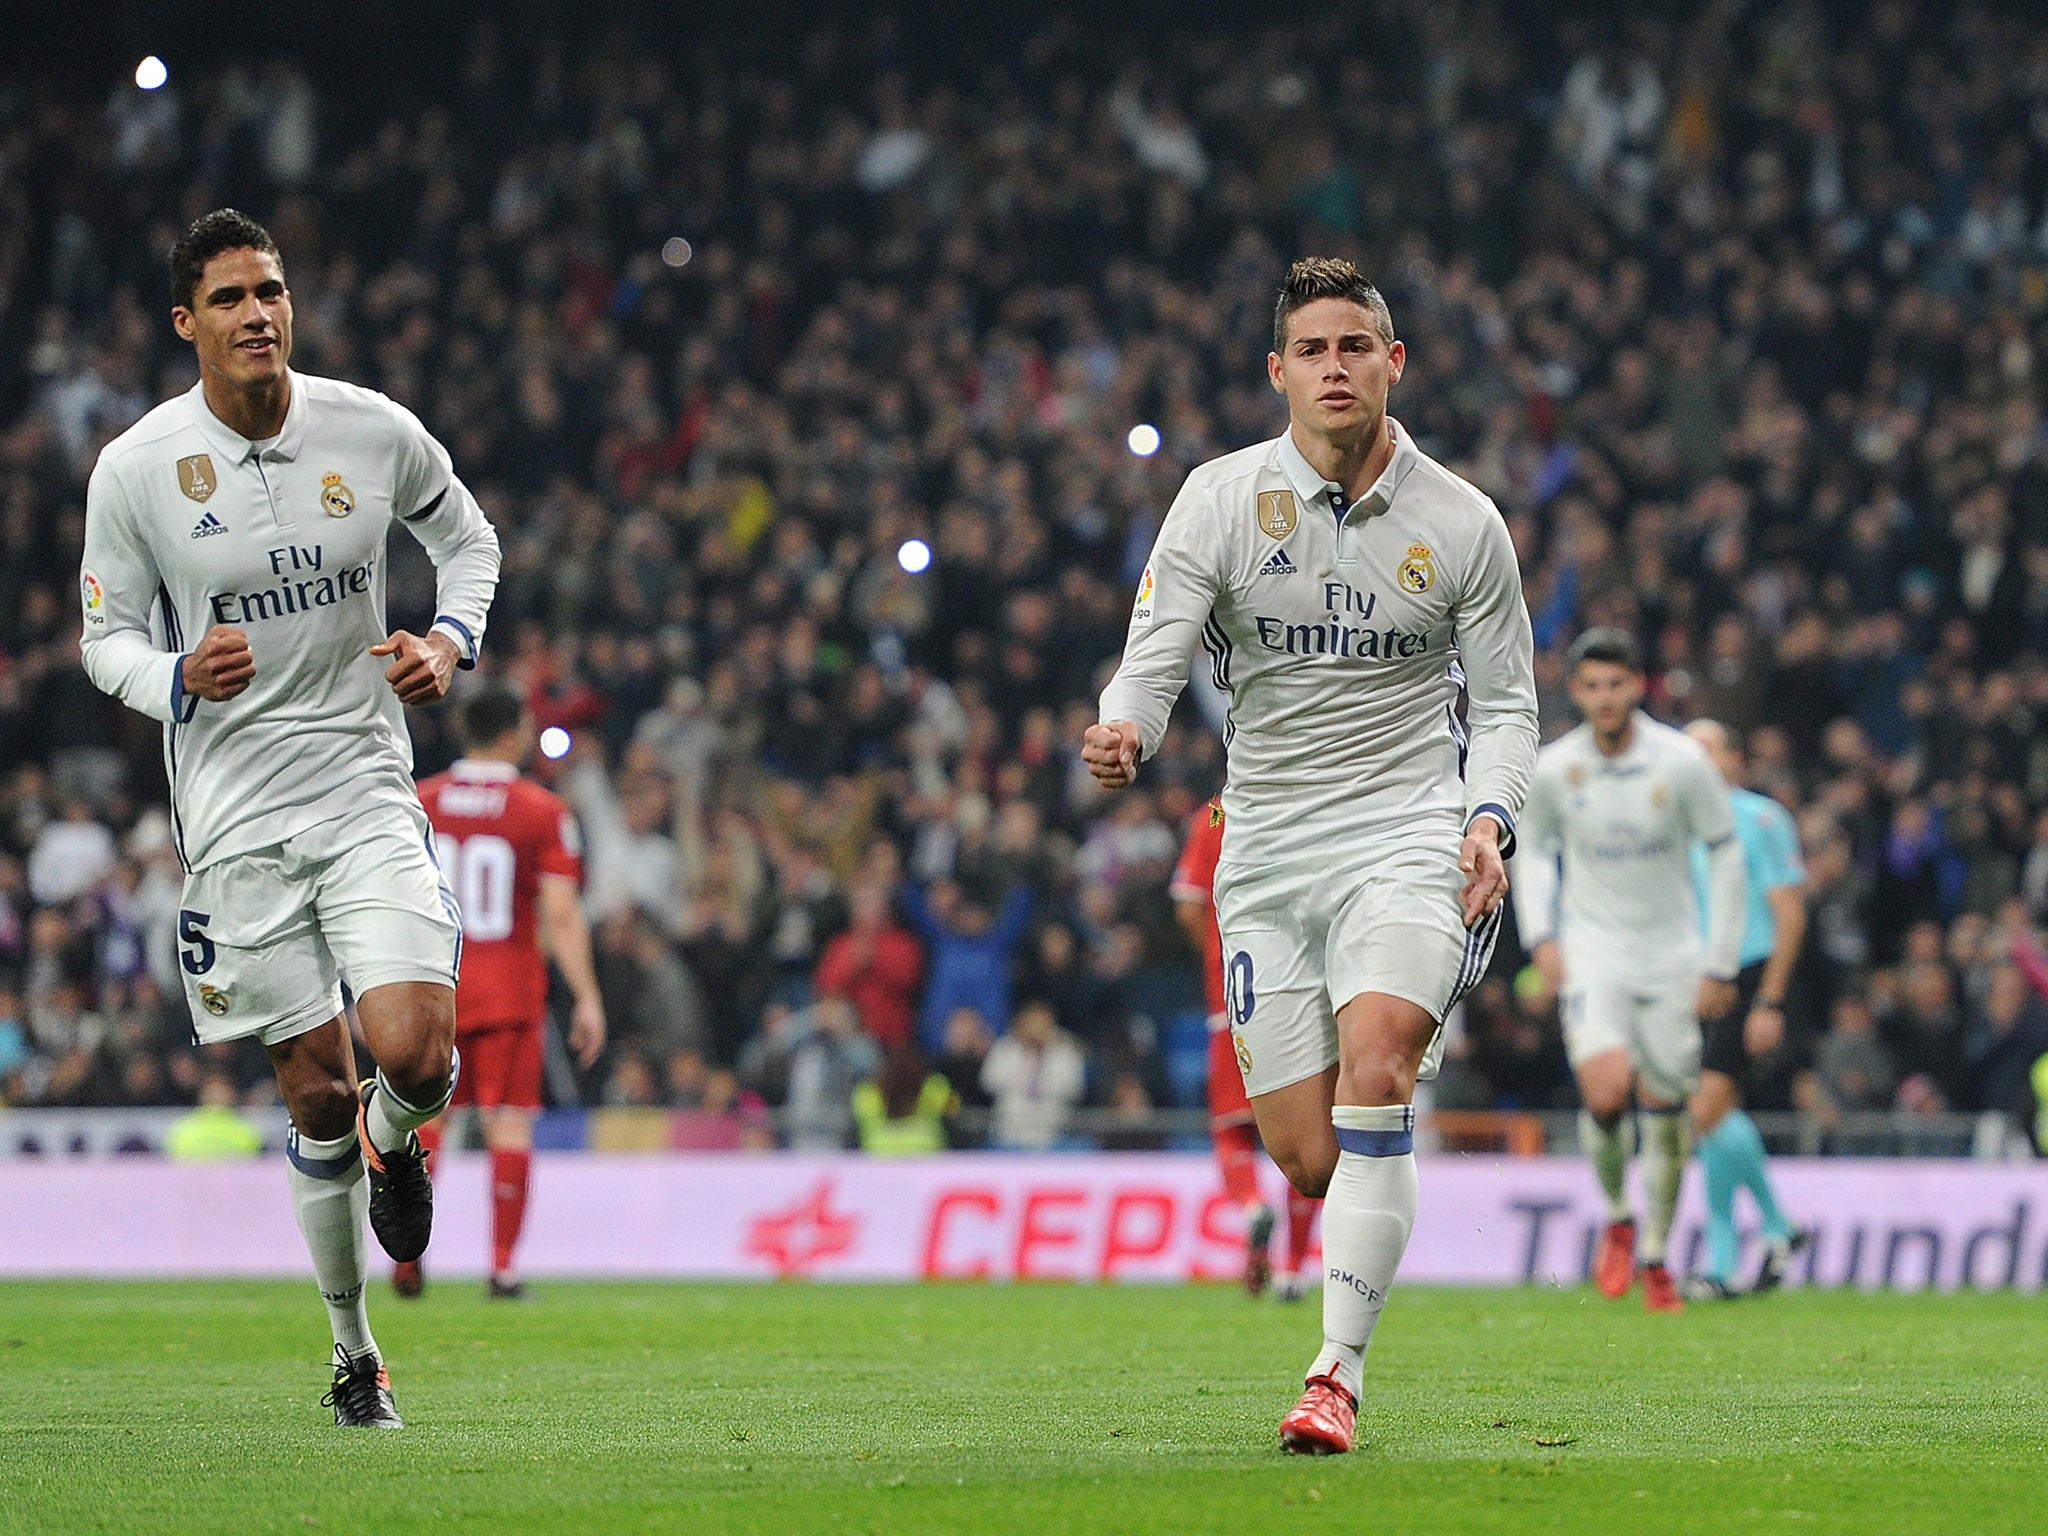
(510, 850)
(1230, 1112)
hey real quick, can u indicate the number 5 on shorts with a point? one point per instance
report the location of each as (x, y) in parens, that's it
(197, 960)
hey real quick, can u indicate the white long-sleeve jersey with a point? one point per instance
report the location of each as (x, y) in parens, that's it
(1342, 642)
(189, 524)
(1623, 829)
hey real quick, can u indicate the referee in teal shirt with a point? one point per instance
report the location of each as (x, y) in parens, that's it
(1730, 1150)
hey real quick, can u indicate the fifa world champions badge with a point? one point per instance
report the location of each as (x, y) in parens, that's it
(1277, 514)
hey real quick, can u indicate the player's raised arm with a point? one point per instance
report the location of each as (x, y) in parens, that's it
(438, 510)
(1498, 655)
(1174, 599)
(118, 581)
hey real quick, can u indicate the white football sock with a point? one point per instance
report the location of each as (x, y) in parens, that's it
(391, 1119)
(332, 1199)
(1367, 1216)
(1664, 1154)
(1609, 1150)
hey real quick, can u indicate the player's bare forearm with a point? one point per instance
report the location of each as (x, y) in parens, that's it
(1764, 1030)
(565, 937)
(1788, 912)
(1111, 751)
(1486, 873)
(1194, 918)
(220, 666)
(422, 666)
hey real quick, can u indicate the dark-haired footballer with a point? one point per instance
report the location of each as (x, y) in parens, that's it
(233, 588)
(512, 851)
(1607, 907)
(1351, 593)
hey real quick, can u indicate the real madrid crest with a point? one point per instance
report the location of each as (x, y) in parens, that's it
(213, 1000)
(1244, 1054)
(1659, 797)
(1277, 514)
(196, 477)
(1575, 776)
(1417, 572)
(336, 499)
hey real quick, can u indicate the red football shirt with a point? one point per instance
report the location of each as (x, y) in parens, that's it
(497, 834)
(1194, 879)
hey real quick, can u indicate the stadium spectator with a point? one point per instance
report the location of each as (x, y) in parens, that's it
(829, 1059)
(971, 942)
(1035, 1075)
(1749, 356)
(902, 1112)
(214, 1131)
(875, 964)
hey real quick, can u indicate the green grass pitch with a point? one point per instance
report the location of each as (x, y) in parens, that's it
(167, 1408)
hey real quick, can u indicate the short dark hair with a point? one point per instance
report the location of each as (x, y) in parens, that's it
(1327, 277)
(490, 712)
(224, 229)
(1615, 646)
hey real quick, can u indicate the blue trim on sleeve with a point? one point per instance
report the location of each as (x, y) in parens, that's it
(468, 639)
(1507, 824)
(183, 705)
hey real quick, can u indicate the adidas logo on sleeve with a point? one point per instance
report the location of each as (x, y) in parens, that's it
(208, 526)
(1278, 565)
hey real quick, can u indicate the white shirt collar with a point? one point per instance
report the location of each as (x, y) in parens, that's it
(237, 449)
(1308, 485)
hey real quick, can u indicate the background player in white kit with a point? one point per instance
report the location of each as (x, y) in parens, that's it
(1340, 579)
(1619, 802)
(251, 512)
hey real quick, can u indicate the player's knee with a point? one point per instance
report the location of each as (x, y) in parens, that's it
(324, 1109)
(1606, 1108)
(1377, 1077)
(419, 1071)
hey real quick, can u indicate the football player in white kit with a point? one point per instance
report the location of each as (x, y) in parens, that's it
(1604, 898)
(233, 588)
(1348, 589)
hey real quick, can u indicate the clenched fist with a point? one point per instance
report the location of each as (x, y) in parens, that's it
(1111, 753)
(220, 666)
(423, 665)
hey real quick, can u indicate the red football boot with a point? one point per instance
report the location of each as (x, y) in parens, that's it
(408, 1279)
(1323, 1422)
(1660, 1293)
(1615, 1269)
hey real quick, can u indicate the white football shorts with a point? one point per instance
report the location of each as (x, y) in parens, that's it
(1655, 1019)
(1299, 943)
(266, 938)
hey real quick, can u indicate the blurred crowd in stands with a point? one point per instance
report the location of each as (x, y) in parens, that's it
(1741, 318)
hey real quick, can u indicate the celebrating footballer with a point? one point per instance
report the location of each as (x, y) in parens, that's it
(1351, 593)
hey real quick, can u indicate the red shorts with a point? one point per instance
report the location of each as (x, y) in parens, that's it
(501, 1067)
(1227, 1102)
